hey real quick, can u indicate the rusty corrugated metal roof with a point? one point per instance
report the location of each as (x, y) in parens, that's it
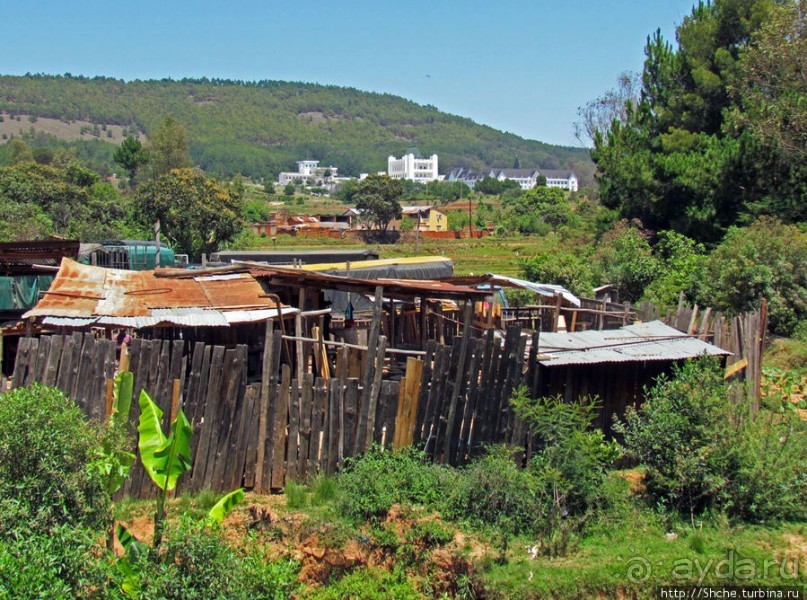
(393, 288)
(83, 291)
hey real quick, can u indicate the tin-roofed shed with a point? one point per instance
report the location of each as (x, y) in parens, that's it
(614, 365)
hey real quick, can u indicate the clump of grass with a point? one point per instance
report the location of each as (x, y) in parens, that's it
(296, 496)
(324, 490)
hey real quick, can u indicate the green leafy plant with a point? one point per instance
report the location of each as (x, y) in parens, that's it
(372, 483)
(47, 476)
(164, 458)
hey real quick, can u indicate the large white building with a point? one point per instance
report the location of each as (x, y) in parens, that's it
(526, 178)
(308, 170)
(413, 167)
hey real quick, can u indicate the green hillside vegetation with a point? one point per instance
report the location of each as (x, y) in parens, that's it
(260, 128)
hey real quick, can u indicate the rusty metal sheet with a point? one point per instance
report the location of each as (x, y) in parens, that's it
(82, 291)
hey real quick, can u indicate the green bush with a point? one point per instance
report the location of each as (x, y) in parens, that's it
(679, 433)
(194, 561)
(624, 259)
(66, 562)
(46, 452)
(495, 492)
(572, 270)
(702, 451)
(372, 483)
(765, 260)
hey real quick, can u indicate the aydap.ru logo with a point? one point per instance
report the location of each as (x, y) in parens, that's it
(639, 569)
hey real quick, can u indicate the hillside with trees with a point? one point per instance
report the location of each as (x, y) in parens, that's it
(258, 129)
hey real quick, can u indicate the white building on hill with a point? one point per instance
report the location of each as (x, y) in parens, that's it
(308, 170)
(414, 167)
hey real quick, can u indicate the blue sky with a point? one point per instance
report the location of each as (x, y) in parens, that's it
(519, 66)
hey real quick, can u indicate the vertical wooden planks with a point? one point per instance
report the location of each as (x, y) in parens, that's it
(279, 430)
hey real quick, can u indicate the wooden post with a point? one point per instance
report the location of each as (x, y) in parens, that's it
(123, 365)
(264, 405)
(376, 390)
(175, 396)
(110, 397)
(301, 358)
(556, 313)
(369, 368)
(455, 391)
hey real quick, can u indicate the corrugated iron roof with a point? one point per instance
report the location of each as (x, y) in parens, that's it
(143, 299)
(393, 288)
(640, 342)
(543, 289)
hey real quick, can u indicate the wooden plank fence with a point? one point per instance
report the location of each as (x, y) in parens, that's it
(295, 424)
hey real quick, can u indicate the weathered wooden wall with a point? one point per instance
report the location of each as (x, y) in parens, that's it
(296, 424)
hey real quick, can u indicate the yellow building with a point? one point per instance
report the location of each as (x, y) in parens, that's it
(430, 218)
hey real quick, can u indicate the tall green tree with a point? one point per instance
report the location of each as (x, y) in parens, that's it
(68, 201)
(379, 197)
(130, 155)
(168, 147)
(197, 215)
(673, 159)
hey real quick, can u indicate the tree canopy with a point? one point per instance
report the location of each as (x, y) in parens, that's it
(690, 155)
(379, 197)
(69, 201)
(197, 215)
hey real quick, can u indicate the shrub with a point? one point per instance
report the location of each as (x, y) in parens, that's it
(570, 466)
(46, 453)
(765, 260)
(679, 434)
(495, 492)
(372, 483)
(194, 561)
(572, 270)
(624, 258)
(66, 562)
(704, 452)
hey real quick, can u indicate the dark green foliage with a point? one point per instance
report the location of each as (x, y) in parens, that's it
(257, 127)
(681, 266)
(65, 562)
(46, 452)
(704, 452)
(130, 155)
(372, 483)
(625, 259)
(572, 270)
(539, 210)
(197, 214)
(495, 492)
(71, 197)
(378, 196)
(687, 156)
(491, 186)
(52, 499)
(194, 561)
(570, 467)
(766, 260)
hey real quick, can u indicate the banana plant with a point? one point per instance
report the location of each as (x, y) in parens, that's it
(165, 459)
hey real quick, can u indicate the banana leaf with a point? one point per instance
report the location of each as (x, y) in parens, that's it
(223, 507)
(164, 458)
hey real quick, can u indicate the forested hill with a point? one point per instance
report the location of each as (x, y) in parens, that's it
(258, 129)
